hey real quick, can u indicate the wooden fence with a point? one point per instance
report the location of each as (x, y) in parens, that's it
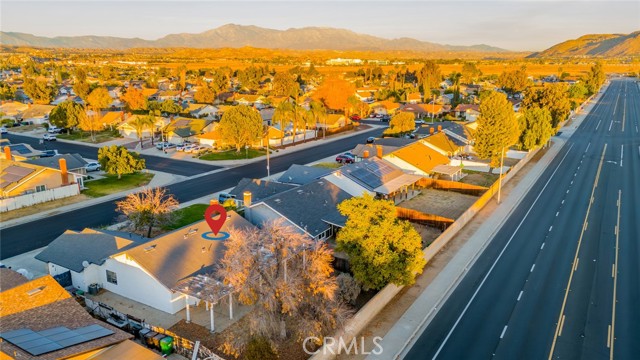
(448, 185)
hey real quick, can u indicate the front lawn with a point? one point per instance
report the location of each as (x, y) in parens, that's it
(83, 136)
(328, 165)
(111, 184)
(233, 155)
(187, 215)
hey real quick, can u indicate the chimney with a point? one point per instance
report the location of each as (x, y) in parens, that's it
(7, 153)
(431, 130)
(379, 151)
(247, 198)
(439, 128)
(63, 171)
(365, 154)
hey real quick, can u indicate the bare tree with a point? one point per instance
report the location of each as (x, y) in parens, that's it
(289, 278)
(148, 208)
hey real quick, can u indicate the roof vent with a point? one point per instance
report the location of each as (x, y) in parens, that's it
(150, 248)
(35, 291)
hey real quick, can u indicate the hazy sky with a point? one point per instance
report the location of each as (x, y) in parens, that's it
(513, 25)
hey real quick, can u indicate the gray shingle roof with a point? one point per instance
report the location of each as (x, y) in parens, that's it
(260, 189)
(74, 161)
(371, 173)
(391, 141)
(454, 127)
(184, 253)
(71, 248)
(307, 205)
(301, 174)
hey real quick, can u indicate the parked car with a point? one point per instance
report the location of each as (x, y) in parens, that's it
(3, 130)
(222, 197)
(196, 149)
(371, 139)
(345, 159)
(349, 153)
(164, 145)
(49, 153)
(184, 146)
(92, 166)
(49, 137)
(355, 117)
(373, 116)
(54, 130)
(420, 122)
(385, 118)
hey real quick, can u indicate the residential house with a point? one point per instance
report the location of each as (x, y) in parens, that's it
(364, 151)
(334, 121)
(303, 174)
(258, 190)
(418, 110)
(417, 158)
(377, 177)
(11, 109)
(21, 152)
(127, 129)
(203, 111)
(37, 114)
(182, 129)
(366, 94)
(111, 119)
(516, 103)
(146, 272)
(461, 133)
(311, 209)
(166, 95)
(75, 163)
(385, 107)
(469, 112)
(414, 98)
(444, 144)
(41, 320)
(257, 101)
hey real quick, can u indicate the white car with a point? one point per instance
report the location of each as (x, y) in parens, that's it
(92, 166)
(183, 147)
(3, 130)
(49, 137)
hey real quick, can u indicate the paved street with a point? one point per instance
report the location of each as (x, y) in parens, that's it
(29, 236)
(561, 278)
(157, 163)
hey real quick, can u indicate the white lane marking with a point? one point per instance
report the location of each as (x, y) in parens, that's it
(503, 331)
(613, 270)
(562, 201)
(567, 191)
(610, 125)
(519, 296)
(542, 246)
(486, 276)
(550, 227)
(561, 325)
(597, 126)
(587, 147)
(532, 267)
(621, 154)
(557, 213)
(575, 266)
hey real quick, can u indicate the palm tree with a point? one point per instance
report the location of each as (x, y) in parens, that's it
(303, 120)
(140, 124)
(319, 113)
(284, 115)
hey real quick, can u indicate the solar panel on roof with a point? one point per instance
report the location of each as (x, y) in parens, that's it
(18, 170)
(42, 342)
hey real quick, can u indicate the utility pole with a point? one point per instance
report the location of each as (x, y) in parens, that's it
(500, 179)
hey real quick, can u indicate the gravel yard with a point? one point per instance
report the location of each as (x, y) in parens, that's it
(440, 202)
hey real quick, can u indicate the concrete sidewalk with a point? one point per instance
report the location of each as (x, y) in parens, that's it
(398, 340)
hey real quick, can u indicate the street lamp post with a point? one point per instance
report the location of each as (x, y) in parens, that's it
(500, 179)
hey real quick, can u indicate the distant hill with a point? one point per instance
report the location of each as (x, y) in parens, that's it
(604, 45)
(236, 36)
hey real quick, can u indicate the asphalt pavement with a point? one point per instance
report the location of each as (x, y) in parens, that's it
(25, 237)
(561, 278)
(158, 163)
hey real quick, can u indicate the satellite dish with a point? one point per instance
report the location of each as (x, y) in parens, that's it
(85, 264)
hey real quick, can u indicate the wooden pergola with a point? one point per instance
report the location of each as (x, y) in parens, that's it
(207, 289)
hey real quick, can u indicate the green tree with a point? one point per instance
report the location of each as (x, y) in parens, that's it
(400, 123)
(455, 80)
(7, 92)
(68, 115)
(39, 90)
(430, 76)
(334, 93)
(382, 249)
(240, 126)
(117, 160)
(470, 73)
(284, 115)
(319, 114)
(205, 95)
(98, 99)
(553, 97)
(142, 123)
(595, 78)
(284, 84)
(148, 208)
(80, 85)
(170, 107)
(536, 128)
(497, 128)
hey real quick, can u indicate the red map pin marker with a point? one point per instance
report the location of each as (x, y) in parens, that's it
(215, 224)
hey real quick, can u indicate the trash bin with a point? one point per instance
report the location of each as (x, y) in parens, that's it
(166, 345)
(93, 289)
(142, 334)
(148, 338)
(156, 340)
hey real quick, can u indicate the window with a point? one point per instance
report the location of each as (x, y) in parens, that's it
(112, 277)
(41, 188)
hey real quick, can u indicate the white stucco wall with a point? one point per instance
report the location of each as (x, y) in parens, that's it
(347, 185)
(404, 165)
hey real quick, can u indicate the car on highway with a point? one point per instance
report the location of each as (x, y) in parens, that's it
(92, 166)
(371, 140)
(49, 137)
(3, 130)
(345, 159)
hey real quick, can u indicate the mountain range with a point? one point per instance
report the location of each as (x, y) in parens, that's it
(604, 45)
(236, 36)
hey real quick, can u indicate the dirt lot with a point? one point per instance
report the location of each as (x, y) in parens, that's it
(440, 202)
(428, 233)
(481, 179)
(38, 208)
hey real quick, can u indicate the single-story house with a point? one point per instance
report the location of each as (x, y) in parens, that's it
(385, 107)
(461, 132)
(37, 113)
(311, 209)
(414, 98)
(56, 325)
(364, 151)
(257, 190)
(203, 111)
(13, 108)
(417, 158)
(469, 112)
(143, 271)
(445, 144)
(166, 95)
(181, 129)
(303, 174)
(127, 130)
(20, 178)
(21, 152)
(111, 118)
(75, 162)
(366, 94)
(334, 121)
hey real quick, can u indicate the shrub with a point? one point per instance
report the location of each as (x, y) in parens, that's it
(260, 348)
(348, 288)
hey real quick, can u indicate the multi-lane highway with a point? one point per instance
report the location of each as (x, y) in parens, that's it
(32, 235)
(561, 278)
